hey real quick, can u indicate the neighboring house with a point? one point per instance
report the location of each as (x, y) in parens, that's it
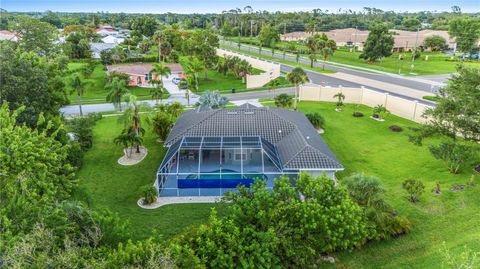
(113, 39)
(403, 40)
(8, 35)
(105, 30)
(97, 48)
(140, 73)
(211, 152)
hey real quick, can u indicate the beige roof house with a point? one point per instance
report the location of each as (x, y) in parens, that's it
(348, 36)
(8, 35)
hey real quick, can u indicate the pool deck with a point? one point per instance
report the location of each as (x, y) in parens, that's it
(161, 201)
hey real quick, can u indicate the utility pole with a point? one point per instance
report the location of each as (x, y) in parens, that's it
(284, 28)
(414, 51)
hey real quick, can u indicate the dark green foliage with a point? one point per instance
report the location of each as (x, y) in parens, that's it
(414, 188)
(106, 57)
(144, 25)
(466, 32)
(82, 128)
(316, 119)
(77, 46)
(453, 154)
(435, 43)
(284, 228)
(283, 100)
(379, 43)
(149, 194)
(75, 154)
(162, 122)
(32, 81)
(456, 112)
(368, 192)
(357, 114)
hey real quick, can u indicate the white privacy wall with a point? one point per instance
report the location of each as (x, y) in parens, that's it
(405, 108)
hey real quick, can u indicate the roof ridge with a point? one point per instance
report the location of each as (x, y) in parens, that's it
(316, 150)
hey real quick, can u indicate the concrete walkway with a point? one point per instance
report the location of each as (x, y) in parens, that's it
(161, 201)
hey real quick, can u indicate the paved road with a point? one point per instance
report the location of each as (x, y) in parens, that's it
(417, 84)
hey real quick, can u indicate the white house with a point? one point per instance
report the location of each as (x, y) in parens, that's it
(113, 39)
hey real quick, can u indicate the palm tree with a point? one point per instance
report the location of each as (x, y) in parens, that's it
(125, 140)
(78, 86)
(161, 124)
(132, 121)
(160, 70)
(117, 89)
(297, 76)
(118, 54)
(158, 90)
(160, 37)
(244, 68)
(340, 97)
(195, 67)
(283, 100)
(325, 53)
(273, 84)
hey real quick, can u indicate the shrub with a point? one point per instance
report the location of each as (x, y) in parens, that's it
(414, 188)
(149, 194)
(141, 59)
(395, 128)
(316, 119)
(75, 154)
(83, 130)
(283, 100)
(453, 154)
(379, 112)
(357, 114)
(368, 192)
(162, 122)
(117, 74)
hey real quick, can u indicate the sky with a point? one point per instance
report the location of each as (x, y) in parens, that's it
(217, 6)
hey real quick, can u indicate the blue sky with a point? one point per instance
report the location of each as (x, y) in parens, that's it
(217, 6)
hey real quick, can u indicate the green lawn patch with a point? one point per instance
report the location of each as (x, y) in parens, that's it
(432, 98)
(106, 184)
(361, 144)
(367, 146)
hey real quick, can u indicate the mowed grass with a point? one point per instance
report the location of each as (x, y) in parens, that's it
(435, 64)
(367, 146)
(106, 184)
(95, 90)
(361, 144)
(429, 63)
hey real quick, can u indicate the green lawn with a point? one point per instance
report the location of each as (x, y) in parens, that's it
(106, 184)
(435, 64)
(95, 91)
(368, 146)
(361, 144)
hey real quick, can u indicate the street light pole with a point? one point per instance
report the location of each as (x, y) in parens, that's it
(414, 51)
(355, 42)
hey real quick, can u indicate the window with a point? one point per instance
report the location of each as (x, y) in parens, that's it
(148, 77)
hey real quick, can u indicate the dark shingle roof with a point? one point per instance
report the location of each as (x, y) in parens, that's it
(298, 144)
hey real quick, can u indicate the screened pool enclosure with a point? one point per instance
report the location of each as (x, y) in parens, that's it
(210, 166)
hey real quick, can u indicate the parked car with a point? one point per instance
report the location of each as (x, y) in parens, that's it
(176, 80)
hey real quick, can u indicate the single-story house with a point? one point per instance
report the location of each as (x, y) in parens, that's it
(211, 152)
(97, 48)
(113, 39)
(403, 40)
(8, 35)
(105, 30)
(140, 73)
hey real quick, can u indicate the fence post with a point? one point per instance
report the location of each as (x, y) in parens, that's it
(320, 89)
(386, 100)
(414, 110)
(362, 89)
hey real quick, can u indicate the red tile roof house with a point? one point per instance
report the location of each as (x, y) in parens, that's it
(140, 73)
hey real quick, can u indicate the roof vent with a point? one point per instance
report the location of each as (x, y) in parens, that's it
(231, 112)
(308, 137)
(280, 131)
(249, 113)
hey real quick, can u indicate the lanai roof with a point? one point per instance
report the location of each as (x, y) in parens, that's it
(298, 144)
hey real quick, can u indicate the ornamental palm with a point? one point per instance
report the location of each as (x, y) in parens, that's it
(78, 86)
(195, 67)
(158, 90)
(132, 121)
(273, 84)
(117, 89)
(325, 53)
(244, 68)
(297, 76)
(160, 37)
(340, 97)
(160, 70)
